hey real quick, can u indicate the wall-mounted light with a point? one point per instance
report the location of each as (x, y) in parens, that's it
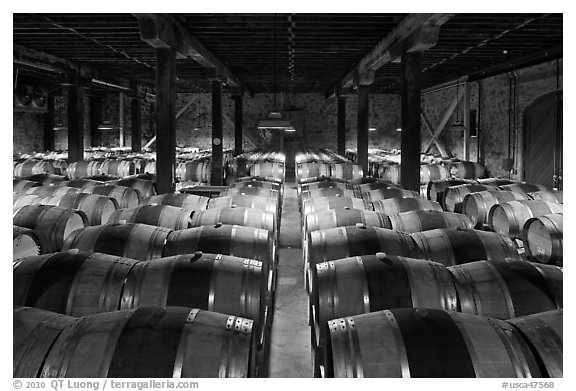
(372, 129)
(398, 129)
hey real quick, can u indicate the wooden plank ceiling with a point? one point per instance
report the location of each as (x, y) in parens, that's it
(284, 52)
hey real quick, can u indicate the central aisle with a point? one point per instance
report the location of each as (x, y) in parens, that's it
(290, 338)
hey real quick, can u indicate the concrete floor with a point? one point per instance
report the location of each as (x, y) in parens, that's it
(290, 337)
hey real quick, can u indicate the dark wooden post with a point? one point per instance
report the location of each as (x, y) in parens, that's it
(410, 119)
(238, 121)
(217, 125)
(165, 119)
(75, 123)
(362, 140)
(95, 119)
(49, 124)
(135, 120)
(341, 125)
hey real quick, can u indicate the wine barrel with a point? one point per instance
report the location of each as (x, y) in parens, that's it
(343, 242)
(31, 167)
(329, 192)
(166, 216)
(347, 171)
(72, 283)
(181, 200)
(150, 168)
(424, 220)
(60, 167)
(477, 205)
(383, 194)
(333, 202)
(467, 170)
(392, 206)
(25, 243)
(195, 170)
(496, 181)
(265, 204)
(21, 185)
(509, 218)
(53, 224)
(53, 190)
(548, 196)
(152, 342)
(268, 169)
(316, 179)
(21, 199)
(454, 196)
(544, 333)
(144, 187)
(34, 332)
(137, 241)
(47, 179)
(451, 246)
(246, 217)
(390, 173)
(311, 170)
(371, 283)
(82, 169)
(366, 187)
(252, 178)
(504, 290)
(227, 239)
(117, 167)
(260, 184)
(83, 183)
(253, 191)
(127, 198)
(213, 282)
(435, 189)
(98, 208)
(543, 238)
(429, 343)
(523, 187)
(432, 172)
(333, 218)
(301, 188)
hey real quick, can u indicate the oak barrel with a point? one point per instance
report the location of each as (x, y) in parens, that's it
(329, 192)
(265, 204)
(496, 181)
(47, 179)
(194, 170)
(544, 333)
(25, 243)
(477, 205)
(432, 172)
(451, 246)
(73, 283)
(52, 190)
(347, 171)
(390, 173)
(435, 189)
(53, 224)
(543, 238)
(424, 220)
(117, 167)
(333, 218)
(509, 218)
(246, 217)
(454, 195)
(181, 200)
(21, 199)
(253, 191)
(137, 241)
(468, 170)
(428, 343)
(20, 185)
(126, 197)
(312, 170)
(333, 202)
(504, 290)
(152, 342)
(383, 194)
(166, 216)
(31, 167)
(98, 208)
(523, 187)
(548, 196)
(392, 206)
(82, 169)
(83, 183)
(268, 169)
(145, 188)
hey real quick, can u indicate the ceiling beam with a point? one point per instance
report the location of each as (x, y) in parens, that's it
(163, 31)
(414, 33)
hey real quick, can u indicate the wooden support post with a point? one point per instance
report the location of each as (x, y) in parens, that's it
(49, 124)
(136, 121)
(165, 120)
(121, 119)
(95, 119)
(238, 121)
(341, 125)
(466, 145)
(410, 119)
(362, 138)
(75, 123)
(217, 126)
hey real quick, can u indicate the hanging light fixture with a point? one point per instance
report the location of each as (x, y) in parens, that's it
(275, 120)
(457, 121)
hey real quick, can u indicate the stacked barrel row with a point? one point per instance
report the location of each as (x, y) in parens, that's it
(137, 268)
(395, 279)
(261, 162)
(529, 214)
(313, 165)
